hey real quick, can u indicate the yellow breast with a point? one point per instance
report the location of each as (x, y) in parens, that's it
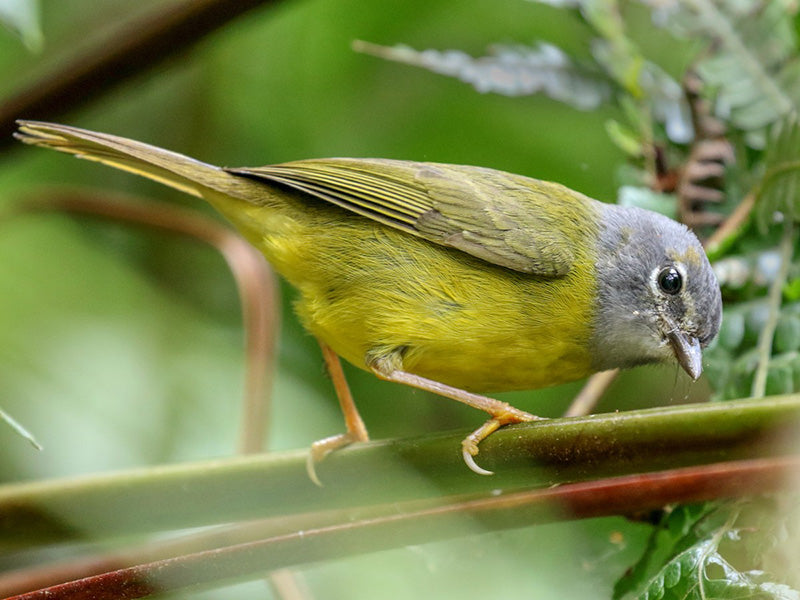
(365, 289)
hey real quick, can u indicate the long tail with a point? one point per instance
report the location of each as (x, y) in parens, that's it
(170, 168)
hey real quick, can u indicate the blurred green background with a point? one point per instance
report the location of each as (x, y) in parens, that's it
(121, 347)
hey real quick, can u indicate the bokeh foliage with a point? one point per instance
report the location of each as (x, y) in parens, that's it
(122, 348)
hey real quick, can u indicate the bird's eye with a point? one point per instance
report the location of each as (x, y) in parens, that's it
(670, 280)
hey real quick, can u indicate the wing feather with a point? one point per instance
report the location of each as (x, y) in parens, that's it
(504, 219)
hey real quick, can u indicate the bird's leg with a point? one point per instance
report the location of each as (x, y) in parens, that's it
(501, 413)
(356, 430)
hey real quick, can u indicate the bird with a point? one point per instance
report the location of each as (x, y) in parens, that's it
(460, 280)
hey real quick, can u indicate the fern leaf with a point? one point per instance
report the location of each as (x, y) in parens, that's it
(508, 70)
(779, 194)
(750, 60)
(686, 577)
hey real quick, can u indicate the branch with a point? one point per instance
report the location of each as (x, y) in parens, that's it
(636, 493)
(255, 281)
(529, 455)
(131, 48)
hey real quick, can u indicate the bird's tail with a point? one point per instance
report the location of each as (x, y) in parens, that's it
(170, 168)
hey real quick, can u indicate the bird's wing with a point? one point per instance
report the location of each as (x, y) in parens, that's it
(504, 219)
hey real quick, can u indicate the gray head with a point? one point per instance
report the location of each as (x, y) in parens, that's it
(658, 298)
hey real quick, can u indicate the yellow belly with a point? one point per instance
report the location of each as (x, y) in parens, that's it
(368, 290)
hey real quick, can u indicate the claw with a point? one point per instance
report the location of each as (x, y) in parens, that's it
(469, 459)
(322, 448)
(311, 469)
(469, 447)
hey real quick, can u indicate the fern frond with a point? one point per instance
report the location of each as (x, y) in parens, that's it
(688, 577)
(508, 70)
(779, 191)
(750, 61)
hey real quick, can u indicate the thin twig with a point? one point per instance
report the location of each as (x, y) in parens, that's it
(591, 392)
(729, 231)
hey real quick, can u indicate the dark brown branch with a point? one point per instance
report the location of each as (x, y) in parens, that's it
(132, 48)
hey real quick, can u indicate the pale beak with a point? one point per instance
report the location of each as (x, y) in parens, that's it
(688, 352)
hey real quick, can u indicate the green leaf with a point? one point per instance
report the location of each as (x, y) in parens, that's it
(712, 551)
(676, 531)
(750, 60)
(779, 192)
(779, 380)
(624, 138)
(648, 199)
(731, 332)
(688, 565)
(687, 577)
(787, 334)
(738, 585)
(791, 291)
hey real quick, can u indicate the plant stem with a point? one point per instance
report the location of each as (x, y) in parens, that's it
(633, 493)
(774, 299)
(590, 394)
(255, 282)
(538, 454)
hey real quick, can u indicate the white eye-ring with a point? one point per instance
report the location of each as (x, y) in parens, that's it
(669, 279)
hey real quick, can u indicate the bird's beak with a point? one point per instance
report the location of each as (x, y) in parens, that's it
(688, 352)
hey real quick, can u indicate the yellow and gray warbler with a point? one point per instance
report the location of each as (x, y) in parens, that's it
(454, 279)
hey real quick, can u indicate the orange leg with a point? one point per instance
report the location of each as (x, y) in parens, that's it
(356, 430)
(501, 413)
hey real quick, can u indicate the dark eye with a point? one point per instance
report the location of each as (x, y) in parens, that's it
(670, 281)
